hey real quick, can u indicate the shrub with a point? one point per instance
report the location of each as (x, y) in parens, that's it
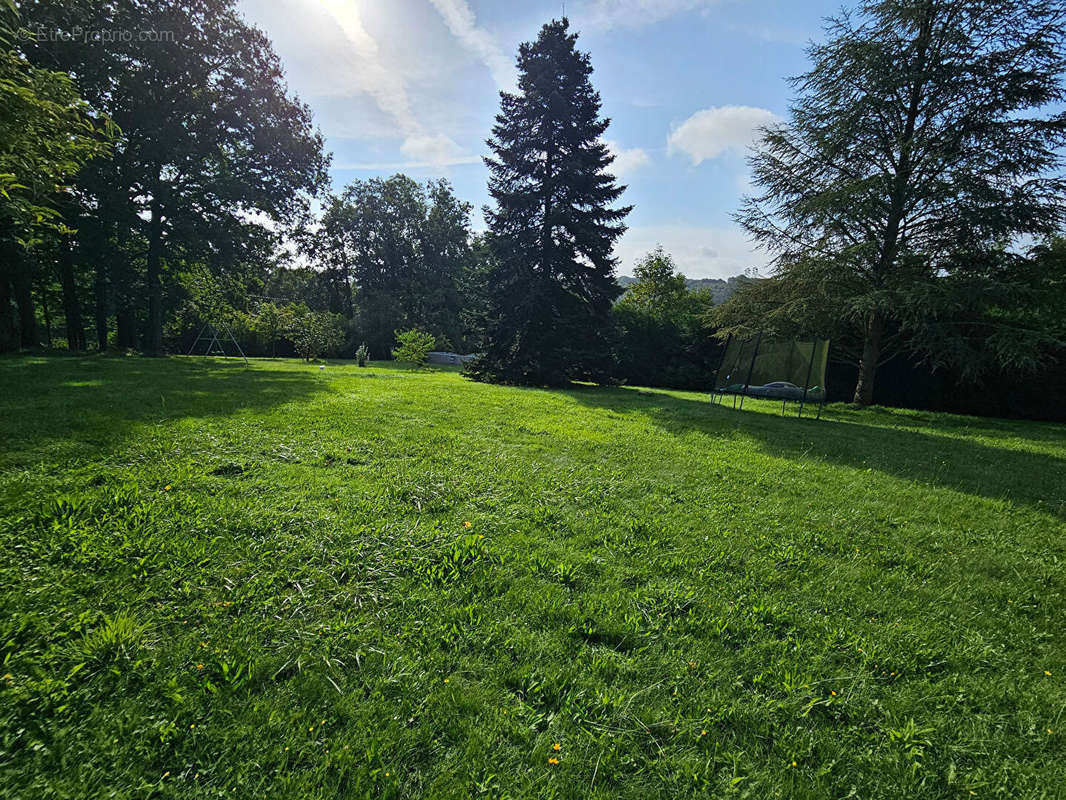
(413, 346)
(362, 355)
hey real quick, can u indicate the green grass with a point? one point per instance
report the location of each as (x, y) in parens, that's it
(220, 581)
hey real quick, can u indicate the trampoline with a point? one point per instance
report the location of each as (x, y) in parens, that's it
(775, 369)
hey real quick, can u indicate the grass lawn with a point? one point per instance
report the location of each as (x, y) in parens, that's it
(278, 581)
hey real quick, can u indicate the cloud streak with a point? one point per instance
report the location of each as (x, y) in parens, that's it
(462, 23)
(609, 14)
(386, 86)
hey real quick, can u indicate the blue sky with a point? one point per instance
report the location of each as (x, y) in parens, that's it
(412, 86)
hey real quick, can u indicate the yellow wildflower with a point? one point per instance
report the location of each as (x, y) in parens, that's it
(553, 761)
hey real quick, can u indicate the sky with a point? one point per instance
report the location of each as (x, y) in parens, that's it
(413, 86)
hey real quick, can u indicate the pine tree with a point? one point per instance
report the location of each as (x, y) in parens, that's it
(554, 224)
(928, 135)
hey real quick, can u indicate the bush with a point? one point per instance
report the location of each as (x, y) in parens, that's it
(414, 346)
(362, 355)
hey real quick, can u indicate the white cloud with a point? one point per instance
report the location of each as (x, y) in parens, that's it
(714, 131)
(435, 149)
(699, 252)
(625, 161)
(635, 13)
(461, 22)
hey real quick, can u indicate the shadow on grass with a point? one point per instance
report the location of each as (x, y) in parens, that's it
(92, 402)
(861, 439)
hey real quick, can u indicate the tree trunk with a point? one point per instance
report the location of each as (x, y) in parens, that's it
(155, 284)
(47, 316)
(9, 338)
(125, 329)
(100, 295)
(22, 283)
(871, 352)
(71, 306)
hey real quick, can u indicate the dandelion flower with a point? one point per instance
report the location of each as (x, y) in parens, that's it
(794, 764)
(468, 524)
(167, 488)
(1047, 673)
(557, 747)
(199, 666)
(553, 761)
(703, 733)
(832, 692)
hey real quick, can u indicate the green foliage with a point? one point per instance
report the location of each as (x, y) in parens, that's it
(362, 355)
(48, 134)
(212, 141)
(268, 581)
(659, 287)
(554, 224)
(404, 247)
(664, 340)
(273, 321)
(922, 142)
(317, 333)
(413, 346)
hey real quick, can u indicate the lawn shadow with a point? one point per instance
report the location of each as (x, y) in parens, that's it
(859, 439)
(70, 406)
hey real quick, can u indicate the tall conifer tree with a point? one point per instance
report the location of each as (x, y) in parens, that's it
(927, 136)
(554, 224)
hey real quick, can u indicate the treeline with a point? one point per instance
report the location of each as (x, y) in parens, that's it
(911, 203)
(136, 160)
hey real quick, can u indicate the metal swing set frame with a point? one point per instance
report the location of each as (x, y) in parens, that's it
(212, 339)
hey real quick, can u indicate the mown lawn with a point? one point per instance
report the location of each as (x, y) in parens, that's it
(281, 581)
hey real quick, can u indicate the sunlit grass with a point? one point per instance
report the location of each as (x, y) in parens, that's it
(280, 581)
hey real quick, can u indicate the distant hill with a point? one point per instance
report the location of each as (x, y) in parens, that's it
(720, 289)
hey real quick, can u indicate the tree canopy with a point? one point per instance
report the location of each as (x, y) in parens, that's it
(921, 148)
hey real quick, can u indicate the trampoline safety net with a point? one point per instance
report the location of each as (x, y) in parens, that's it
(779, 369)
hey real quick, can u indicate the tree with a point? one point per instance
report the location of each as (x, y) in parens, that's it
(664, 340)
(210, 138)
(554, 223)
(318, 333)
(393, 252)
(919, 152)
(659, 287)
(272, 321)
(47, 134)
(414, 346)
